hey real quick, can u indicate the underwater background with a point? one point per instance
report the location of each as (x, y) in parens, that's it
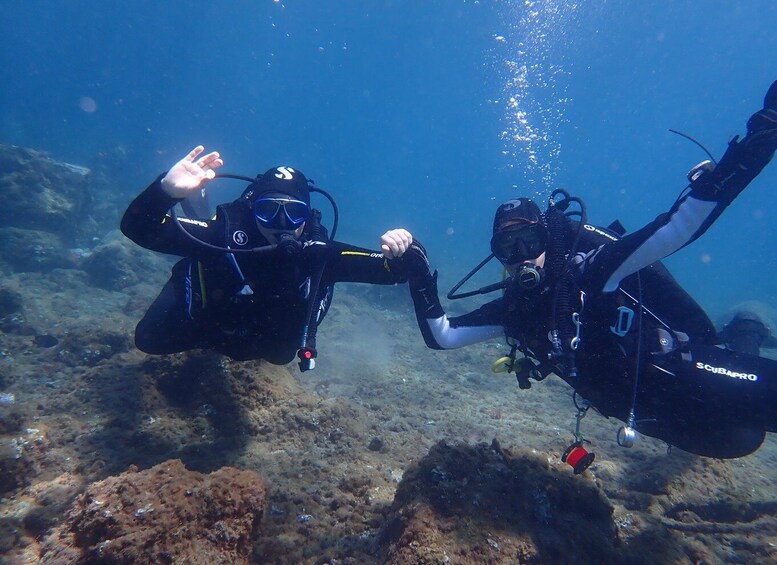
(403, 109)
(416, 114)
(424, 115)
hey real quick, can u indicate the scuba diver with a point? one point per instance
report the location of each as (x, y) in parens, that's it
(257, 279)
(596, 307)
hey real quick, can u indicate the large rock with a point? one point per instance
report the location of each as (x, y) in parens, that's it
(165, 514)
(39, 193)
(117, 263)
(20, 452)
(34, 250)
(484, 504)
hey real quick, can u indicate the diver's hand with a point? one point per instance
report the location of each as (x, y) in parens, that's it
(394, 243)
(190, 174)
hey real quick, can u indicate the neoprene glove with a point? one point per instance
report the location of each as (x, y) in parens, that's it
(416, 262)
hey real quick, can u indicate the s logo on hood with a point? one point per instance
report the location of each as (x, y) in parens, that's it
(285, 173)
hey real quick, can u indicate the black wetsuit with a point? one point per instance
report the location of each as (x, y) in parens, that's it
(701, 398)
(247, 306)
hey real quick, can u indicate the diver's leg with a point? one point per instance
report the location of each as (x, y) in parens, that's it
(735, 394)
(719, 404)
(257, 347)
(280, 353)
(166, 327)
(721, 439)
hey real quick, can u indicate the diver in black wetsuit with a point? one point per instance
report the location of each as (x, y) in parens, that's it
(258, 278)
(601, 312)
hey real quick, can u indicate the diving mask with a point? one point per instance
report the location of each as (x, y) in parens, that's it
(519, 242)
(281, 213)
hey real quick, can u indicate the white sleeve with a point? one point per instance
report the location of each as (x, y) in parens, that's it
(448, 337)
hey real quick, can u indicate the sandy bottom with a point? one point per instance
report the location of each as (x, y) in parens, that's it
(380, 415)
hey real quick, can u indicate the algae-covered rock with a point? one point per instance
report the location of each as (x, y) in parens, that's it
(166, 514)
(40, 193)
(485, 504)
(28, 250)
(118, 264)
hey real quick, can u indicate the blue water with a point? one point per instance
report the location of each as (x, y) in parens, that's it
(401, 108)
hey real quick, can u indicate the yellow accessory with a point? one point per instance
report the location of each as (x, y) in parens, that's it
(502, 365)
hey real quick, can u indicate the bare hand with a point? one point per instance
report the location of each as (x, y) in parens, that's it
(190, 174)
(394, 243)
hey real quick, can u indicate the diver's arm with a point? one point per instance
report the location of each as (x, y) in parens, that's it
(439, 331)
(147, 223)
(348, 263)
(712, 190)
(610, 263)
